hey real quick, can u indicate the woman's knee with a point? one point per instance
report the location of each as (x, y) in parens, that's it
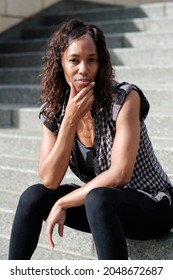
(97, 199)
(31, 197)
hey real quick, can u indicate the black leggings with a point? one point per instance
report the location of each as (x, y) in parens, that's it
(110, 214)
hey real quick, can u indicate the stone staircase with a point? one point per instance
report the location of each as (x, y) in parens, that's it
(141, 47)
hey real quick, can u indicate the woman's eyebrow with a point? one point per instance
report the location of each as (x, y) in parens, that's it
(77, 55)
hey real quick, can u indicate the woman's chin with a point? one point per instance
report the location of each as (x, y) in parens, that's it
(79, 85)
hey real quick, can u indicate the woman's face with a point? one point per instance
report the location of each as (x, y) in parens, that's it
(80, 62)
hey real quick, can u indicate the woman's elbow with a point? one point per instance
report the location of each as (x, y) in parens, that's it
(48, 182)
(124, 181)
(123, 178)
(50, 185)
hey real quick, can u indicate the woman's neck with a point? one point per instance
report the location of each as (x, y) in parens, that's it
(85, 130)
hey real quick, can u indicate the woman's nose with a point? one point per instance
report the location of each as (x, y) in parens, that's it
(82, 68)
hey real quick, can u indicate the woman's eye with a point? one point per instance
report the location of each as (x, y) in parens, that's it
(73, 60)
(93, 60)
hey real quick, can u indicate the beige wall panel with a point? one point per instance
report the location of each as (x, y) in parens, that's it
(47, 3)
(149, 1)
(127, 2)
(6, 22)
(2, 7)
(23, 8)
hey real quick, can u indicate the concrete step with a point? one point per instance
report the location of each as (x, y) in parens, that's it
(72, 6)
(159, 25)
(26, 94)
(67, 246)
(142, 57)
(31, 59)
(17, 179)
(147, 40)
(19, 116)
(43, 252)
(160, 125)
(10, 112)
(114, 40)
(131, 39)
(27, 163)
(23, 159)
(108, 13)
(126, 39)
(28, 118)
(36, 45)
(19, 164)
(18, 76)
(145, 76)
(14, 179)
(17, 172)
(164, 154)
(20, 144)
(119, 56)
(139, 75)
(66, 250)
(155, 122)
(165, 94)
(156, 249)
(142, 40)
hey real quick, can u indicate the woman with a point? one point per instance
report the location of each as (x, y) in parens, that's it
(96, 126)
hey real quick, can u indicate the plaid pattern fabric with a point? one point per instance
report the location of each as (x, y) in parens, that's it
(148, 176)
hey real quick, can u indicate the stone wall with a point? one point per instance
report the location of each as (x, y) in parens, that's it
(14, 11)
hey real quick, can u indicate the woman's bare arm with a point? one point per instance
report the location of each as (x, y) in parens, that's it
(55, 151)
(124, 152)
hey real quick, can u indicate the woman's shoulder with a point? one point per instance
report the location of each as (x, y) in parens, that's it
(51, 125)
(121, 90)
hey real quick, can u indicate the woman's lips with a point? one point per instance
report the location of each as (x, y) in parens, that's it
(83, 82)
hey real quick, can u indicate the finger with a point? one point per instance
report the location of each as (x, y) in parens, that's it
(49, 232)
(88, 88)
(83, 92)
(88, 99)
(61, 229)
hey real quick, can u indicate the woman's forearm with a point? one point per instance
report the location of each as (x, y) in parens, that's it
(54, 166)
(109, 178)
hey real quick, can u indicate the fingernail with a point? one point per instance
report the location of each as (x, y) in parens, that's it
(92, 83)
